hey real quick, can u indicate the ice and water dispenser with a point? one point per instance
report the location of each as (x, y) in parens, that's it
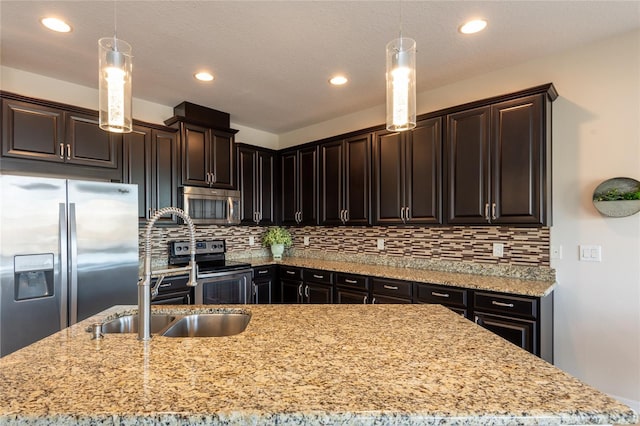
(33, 276)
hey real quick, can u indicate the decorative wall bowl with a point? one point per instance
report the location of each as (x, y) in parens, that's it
(617, 197)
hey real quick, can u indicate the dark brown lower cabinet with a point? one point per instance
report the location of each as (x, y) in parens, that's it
(451, 297)
(263, 278)
(518, 331)
(352, 289)
(390, 291)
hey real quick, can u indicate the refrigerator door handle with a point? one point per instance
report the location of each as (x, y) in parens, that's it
(62, 266)
(73, 265)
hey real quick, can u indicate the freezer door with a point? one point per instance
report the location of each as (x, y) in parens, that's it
(32, 264)
(103, 247)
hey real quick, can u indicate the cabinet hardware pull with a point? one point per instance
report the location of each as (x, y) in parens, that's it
(505, 305)
(263, 271)
(290, 272)
(300, 290)
(391, 287)
(477, 320)
(213, 178)
(259, 216)
(486, 211)
(306, 291)
(402, 214)
(350, 281)
(364, 302)
(435, 293)
(407, 216)
(493, 211)
(62, 151)
(373, 301)
(346, 216)
(318, 276)
(68, 151)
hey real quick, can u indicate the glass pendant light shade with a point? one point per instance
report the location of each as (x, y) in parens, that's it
(401, 84)
(115, 85)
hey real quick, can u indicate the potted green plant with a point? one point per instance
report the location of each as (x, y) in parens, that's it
(277, 238)
(617, 197)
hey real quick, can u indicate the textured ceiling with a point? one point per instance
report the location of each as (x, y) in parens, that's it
(272, 59)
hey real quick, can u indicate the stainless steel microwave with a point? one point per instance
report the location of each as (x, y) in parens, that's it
(208, 206)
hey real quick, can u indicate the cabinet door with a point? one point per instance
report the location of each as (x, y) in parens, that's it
(265, 195)
(32, 131)
(291, 291)
(467, 159)
(388, 172)
(520, 332)
(344, 296)
(88, 144)
(262, 291)
(423, 188)
(195, 154)
(308, 187)
(165, 168)
(247, 181)
(137, 166)
(318, 293)
(288, 187)
(518, 154)
(222, 160)
(331, 183)
(357, 196)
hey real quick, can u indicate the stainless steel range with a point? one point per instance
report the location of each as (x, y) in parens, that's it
(220, 281)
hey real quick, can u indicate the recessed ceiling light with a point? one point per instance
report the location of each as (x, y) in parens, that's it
(55, 24)
(338, 80)
(473, 26)
(203, 76)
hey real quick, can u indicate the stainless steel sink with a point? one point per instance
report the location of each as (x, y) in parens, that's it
(129, 324)
(209, 325)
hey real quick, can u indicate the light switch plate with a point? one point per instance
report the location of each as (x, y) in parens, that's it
(498, 249)
(252, 241)
(306, 241)
(590, 253)
(380, 243)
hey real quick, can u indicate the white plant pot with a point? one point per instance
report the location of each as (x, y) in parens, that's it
(277, 250)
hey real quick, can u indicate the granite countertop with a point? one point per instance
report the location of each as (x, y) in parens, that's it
(519, 286)
(298, 364)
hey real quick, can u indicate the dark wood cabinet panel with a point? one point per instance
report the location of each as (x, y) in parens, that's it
(256, 173)
(520, 332)
(407, 175)
(353, 297)
(468, 165)
(318, 293)
(150, 158)
(88, 144)
(299, 187)
(263, 283)
(208, 157)
(345, 181)
(290, 291)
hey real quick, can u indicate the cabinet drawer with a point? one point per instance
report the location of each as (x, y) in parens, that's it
(290, 273)
(392, 287)
(260, 272)
(318, 276)
(448, 296)
(354, 281)
(512, 305)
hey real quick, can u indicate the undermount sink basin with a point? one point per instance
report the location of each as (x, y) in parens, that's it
(209, 325)
(129, 324)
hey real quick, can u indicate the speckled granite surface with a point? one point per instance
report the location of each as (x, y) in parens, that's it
(519, 286)
(299, 364)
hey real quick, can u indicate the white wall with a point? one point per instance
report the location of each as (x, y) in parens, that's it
(596, 136)
(39, 86)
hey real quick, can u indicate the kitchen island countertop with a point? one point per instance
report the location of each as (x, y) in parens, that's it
(298, 364)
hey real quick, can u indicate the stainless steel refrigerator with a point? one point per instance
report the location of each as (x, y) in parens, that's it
(68, 249)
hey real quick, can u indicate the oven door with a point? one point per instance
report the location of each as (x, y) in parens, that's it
(222, 288)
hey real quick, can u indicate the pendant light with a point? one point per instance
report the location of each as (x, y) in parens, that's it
(115, 84)
(401, 82)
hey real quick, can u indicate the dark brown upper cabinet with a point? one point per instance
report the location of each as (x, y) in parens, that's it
(345, 188)
(299, 186)
(498, 161)
(208, 156)
(256, 182)
(151, 160)
(36, 131)
(407, 169)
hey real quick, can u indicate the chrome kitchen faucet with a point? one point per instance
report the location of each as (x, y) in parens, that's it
(144, 284)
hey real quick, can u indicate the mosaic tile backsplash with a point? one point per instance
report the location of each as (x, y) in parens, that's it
(464, 248)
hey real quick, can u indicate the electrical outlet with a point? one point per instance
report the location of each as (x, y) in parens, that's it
(556, 252)
(306, 241)
(252, 241)
(380, 243)
(590, 253)
(498, 249)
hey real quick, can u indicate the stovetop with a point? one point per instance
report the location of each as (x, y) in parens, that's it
(210, 256)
